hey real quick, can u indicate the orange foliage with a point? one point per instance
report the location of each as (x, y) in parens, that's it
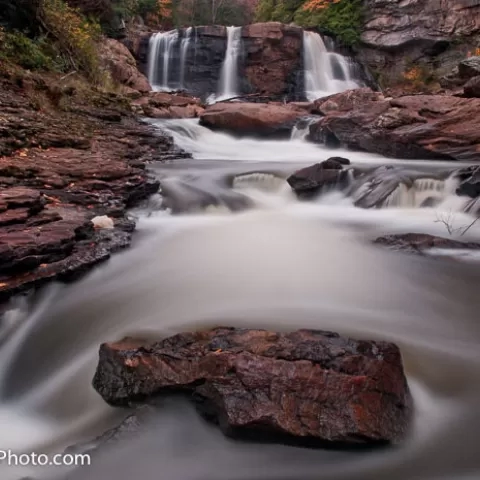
(312, 5)
(475, 53)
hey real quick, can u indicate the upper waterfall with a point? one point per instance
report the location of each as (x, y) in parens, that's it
(167, 59)
(228, 86)
(325, 72)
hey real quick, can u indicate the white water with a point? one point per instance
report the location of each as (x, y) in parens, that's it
(283, 265)
(320, 77)
(159, 60)
(228, 86)
(186, 41)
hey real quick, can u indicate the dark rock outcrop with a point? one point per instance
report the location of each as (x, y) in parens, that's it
(472, 88)
(254, 119)
(469, 68)
(435, 38)
(419, 126)
(306, 384)
(310, 181)
(420, 243)
(469, 178)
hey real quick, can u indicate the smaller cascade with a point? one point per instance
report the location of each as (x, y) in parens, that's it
(326, 72)
(186, 40)
(160, 55)
(229, 74)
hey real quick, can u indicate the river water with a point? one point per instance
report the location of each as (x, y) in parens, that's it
(228, 244)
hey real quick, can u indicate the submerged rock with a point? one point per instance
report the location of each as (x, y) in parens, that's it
(312, 385)
(309, 181)
(420, 243)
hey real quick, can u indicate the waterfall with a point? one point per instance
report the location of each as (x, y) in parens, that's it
(184, 53)
(229, 74)
(325, 72)
(161, 52)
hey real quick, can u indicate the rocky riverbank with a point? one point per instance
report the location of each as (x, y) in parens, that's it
(69, 154)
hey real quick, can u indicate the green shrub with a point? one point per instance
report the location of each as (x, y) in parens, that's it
(342, 19)
(18, 48)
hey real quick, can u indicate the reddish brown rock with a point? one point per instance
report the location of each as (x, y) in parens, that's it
(122, 65)
(262, 119)
(419, 126)
(306, 384)
(274, 53)
(54, 180)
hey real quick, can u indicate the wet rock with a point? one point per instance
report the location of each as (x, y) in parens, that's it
(469, 182)
(305, 384)
(309, 181)
(55, 180)
(472, 88)
(418, 126)
(420, 243)
(255, 119)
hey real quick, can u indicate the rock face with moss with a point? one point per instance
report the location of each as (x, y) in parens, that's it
(398, 36)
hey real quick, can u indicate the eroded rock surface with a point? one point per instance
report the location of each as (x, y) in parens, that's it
(307, 384)
(416, 127)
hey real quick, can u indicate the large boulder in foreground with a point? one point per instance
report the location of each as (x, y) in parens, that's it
(257, 119)
(309, 384)
(410, 127)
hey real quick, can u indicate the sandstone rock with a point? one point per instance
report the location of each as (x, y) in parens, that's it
(122, 65)
(420, 126)
(437, 38)
(469, 68)
(420, 243)
(257, 119)
(472, 88)
(273, 59)
(309, 181)
(305, 384)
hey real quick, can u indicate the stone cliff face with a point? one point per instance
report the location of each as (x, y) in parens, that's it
(436, 34)
(274, 59)
(271, 62)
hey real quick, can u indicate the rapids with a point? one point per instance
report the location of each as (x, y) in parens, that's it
(277, 263)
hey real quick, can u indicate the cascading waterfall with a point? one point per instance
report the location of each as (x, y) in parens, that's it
(325, 72)
(228, 87)
(186, 40)
(161, 49)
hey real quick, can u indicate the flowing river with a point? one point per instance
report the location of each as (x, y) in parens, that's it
(227, 243)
